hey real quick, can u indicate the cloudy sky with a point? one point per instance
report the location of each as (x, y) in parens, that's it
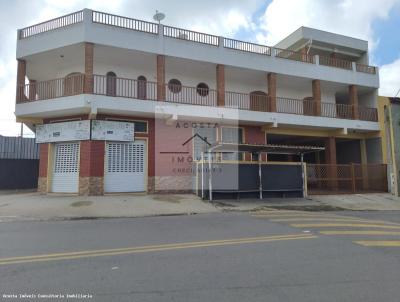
(262, 21)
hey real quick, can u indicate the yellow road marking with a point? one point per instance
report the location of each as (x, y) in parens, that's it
(360, 233)
(351, 219)
(355, 225)
(389, 243)
(149, 248)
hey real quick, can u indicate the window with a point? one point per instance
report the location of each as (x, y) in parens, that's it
(200, 145)
(111, 85)
(202, 89)
(140, 126)
(175, 86)
(258, 101)
(73, 83)
(141, 87)
(234, 136)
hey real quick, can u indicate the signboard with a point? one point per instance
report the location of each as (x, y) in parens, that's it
(113, 131)
(62, 132)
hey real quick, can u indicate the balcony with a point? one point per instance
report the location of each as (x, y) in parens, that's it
(146, 90)
(89, 17)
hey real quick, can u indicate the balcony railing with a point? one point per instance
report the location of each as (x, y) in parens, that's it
(365, 68)
(146, 90)
(293, 55)
(59, 22)
(335, 62)
(194, 36)
(188, 35)
(246, 46)
(124, 22)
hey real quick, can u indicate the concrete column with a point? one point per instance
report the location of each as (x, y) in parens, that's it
(21, 73)
(160, 77)
(91, 170)
(271, 79)
(32, 90)
(316, 94)
(353, 100)
(220, 85)
(88, 84)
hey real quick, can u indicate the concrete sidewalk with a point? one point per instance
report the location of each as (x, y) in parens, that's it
(34, 206)
(355, 202)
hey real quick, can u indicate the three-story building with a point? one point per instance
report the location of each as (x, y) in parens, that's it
(111, 98)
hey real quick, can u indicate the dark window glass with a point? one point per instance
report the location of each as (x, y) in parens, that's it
(202, 89)
(175, 86)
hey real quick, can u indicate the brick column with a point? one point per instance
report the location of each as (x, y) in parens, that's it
(364, 163)
(316, 94)
(353, 100)
(21, 73)
(88, 86)
(271, 79)
(220, 85)
(32, 90)
(43, 167)
(160, 77)
(330, 158)
(91, 170)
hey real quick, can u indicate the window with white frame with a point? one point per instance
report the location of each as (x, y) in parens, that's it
(232, 135)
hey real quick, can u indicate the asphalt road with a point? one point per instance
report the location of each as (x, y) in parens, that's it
(279, 256)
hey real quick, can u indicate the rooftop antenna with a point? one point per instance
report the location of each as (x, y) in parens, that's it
(158, 16)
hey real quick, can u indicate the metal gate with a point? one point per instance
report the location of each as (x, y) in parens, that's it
(125, 167)
(66, 168)
(346, 179)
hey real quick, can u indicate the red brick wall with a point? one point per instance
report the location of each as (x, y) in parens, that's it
(92, 158)
(43, 159)
(220, 85)
(254, 135)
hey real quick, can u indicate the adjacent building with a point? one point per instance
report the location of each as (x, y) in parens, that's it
(125, 105)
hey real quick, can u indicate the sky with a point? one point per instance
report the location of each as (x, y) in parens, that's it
(260, 21)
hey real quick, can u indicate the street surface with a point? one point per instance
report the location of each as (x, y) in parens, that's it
(261, 256)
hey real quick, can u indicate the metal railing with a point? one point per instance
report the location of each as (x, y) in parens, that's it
(365, 68)
(335, 62)
(367, 114)
(146, 90)
(293, 55)
(346, 178)
(123, 87)
(189, 35)
(71, 85)
(247, 46)
(124, 22)
(56, 23)
(190, 95)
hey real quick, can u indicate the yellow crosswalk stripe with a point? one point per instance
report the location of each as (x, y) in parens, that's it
(334, 219)
(386, 243)
(390, 233)
(355, 225)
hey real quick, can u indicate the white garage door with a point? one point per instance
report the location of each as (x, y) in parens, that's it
(66, 168)
(125, 167)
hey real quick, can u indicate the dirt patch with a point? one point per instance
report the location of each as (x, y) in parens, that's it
(82, 203)
(168, 198)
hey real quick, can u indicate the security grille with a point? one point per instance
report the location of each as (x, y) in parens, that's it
(125, 157)
(66, 160)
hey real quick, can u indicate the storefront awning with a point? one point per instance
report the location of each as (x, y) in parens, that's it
(268, 148)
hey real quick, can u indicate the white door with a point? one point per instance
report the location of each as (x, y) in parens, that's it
(125, 167)
(66, 168)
